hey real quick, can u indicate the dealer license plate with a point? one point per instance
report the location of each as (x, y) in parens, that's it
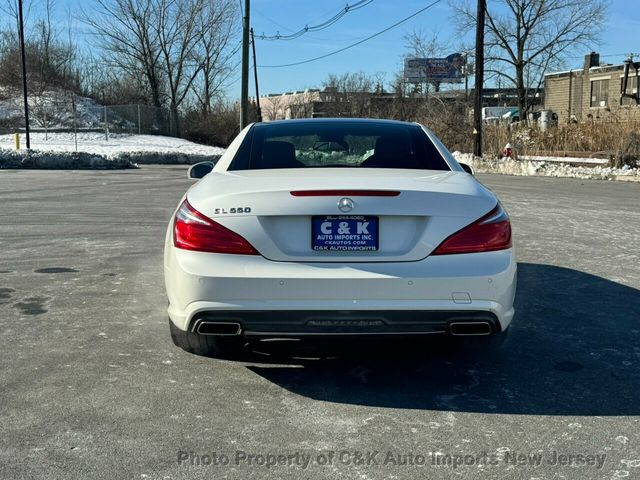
(344, 233)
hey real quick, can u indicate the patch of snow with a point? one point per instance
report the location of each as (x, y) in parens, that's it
(540, 158)
(54, 109)
(96, 143)
(57, 151)
(60, 160)
(546, 168)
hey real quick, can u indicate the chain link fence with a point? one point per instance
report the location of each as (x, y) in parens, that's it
(48, 116)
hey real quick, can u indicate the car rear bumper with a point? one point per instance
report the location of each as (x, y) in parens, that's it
(275, 298)
(300, 323)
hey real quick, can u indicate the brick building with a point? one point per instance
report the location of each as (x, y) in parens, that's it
(593, 92)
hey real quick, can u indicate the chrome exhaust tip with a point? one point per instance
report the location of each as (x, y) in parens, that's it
(205, 327)
(470, 328)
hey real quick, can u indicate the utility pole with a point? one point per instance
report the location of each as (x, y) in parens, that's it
(24, 75)
(255, 73)
(244, 93)
(477, 106)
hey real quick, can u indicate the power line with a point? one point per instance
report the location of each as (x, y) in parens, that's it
(360, 42)
(236, 49)
(315, 28)
(272, 20)
(238, 78)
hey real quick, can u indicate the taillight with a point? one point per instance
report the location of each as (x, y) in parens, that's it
(193, 231)
(489, 233)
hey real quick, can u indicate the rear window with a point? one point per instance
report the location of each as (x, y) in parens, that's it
(333, 144)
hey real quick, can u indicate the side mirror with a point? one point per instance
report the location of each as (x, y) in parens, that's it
(200, 169)
(467, 168)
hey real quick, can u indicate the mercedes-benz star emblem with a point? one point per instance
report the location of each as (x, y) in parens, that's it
(345, 205)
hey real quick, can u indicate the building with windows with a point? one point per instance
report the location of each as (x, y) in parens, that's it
(594, 92)
(301, 104)
(330, 102)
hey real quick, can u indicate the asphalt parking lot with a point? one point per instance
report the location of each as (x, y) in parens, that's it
(92, 387)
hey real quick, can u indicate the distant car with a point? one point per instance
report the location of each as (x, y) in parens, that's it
(326, 227)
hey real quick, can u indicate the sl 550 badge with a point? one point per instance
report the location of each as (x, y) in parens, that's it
(222, 211)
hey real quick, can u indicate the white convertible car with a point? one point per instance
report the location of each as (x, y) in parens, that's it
(331, 227)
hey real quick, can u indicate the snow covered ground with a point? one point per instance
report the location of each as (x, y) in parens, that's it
(569, 160)
(54, 109)
(96, 143)
(58, 151)
(549, 167)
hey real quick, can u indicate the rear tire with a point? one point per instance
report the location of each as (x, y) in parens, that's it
(206, 345)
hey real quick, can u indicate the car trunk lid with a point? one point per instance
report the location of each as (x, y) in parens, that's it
(283, 212)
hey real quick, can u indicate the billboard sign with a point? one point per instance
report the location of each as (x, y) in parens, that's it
(442, 70)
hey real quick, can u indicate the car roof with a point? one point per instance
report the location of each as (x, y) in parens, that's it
(337, 121)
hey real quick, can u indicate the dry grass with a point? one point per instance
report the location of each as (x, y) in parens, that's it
(617, 141)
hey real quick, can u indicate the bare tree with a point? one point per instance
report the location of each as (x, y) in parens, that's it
(524, 38)
(178, 31)
(218, 26)
(50, 58)
(421, 43)
(302, 104)
(351, 93)
(181, 47)
(10, 10)
(125, 31)
(109, 86)
(273, 108)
